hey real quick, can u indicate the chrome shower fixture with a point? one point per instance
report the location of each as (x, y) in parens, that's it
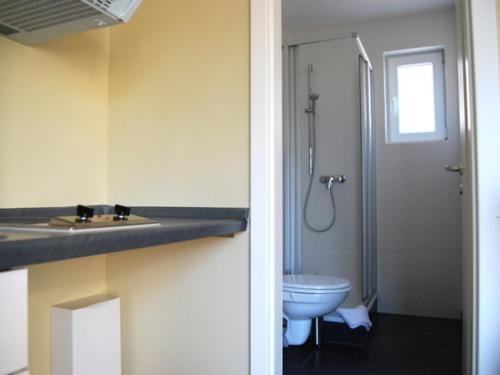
(313, 98)
(330, 180)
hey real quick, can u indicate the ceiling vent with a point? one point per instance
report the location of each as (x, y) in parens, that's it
(36, 21)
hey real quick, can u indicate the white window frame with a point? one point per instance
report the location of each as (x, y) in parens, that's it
(434, 55)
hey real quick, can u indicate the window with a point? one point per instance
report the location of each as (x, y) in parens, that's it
(415, 96)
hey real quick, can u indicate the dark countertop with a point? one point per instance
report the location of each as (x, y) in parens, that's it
(22, 248)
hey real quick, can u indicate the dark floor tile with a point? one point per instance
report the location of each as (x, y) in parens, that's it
(295, 357)
(396, 345)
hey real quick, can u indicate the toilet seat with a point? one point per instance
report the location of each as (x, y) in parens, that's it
(315, 292)
(317, 284)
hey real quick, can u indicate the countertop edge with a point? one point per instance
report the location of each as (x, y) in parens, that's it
(28, 252)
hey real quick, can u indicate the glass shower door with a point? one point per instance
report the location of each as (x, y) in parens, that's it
(368, 167)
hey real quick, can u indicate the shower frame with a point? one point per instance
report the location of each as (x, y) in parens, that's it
(292, 160)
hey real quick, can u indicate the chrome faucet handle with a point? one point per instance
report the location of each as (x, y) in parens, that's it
(331, 180)
(340, 179)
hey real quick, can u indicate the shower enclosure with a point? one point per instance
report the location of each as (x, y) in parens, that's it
(330, 181)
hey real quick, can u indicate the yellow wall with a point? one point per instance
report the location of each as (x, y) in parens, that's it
(179, 98)
(153, 112)
(53, 135)
(51, 284)
(179, 135)
(184, 307)
(53, 121)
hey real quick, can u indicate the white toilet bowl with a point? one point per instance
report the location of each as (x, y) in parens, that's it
(306, 297)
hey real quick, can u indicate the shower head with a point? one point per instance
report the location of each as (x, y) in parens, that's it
(313, 97)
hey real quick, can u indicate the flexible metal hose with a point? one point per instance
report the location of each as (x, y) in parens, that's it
(312, 151)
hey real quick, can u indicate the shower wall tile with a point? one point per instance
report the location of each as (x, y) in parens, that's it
(418, 274)
(419, 205)
(420, 305)
(418, 189)
(420, 232)
(418, 155)
(338, 262)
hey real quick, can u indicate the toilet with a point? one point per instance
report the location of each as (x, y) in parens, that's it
(306, 297)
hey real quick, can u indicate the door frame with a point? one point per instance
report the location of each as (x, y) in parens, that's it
(482, 232)
(266, 193)
(266, 189)
(469, 207)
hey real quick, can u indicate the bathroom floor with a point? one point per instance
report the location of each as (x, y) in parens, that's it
(397, 344)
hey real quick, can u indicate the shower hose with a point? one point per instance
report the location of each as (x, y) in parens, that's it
(312, 155)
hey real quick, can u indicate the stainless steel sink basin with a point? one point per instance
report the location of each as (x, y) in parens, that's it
(69, 225)
(15, 235)
(46, 228)
(83, 222)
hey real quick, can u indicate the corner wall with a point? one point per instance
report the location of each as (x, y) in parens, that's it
(179, 105)
(179, 136)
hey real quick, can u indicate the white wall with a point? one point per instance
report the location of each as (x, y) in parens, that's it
(419, 213)
(485, 35)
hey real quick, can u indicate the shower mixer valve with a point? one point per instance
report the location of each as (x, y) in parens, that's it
(330, 180)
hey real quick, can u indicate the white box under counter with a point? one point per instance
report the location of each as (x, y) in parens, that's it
(14, 322)
(86, 337)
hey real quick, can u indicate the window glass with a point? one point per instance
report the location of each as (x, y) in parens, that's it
(415, 96)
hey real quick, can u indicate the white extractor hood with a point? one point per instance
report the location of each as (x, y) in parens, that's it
(35, 21)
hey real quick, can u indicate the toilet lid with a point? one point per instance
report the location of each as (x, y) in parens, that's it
(314, 282)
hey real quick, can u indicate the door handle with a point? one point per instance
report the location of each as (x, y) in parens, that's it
(454, 168)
